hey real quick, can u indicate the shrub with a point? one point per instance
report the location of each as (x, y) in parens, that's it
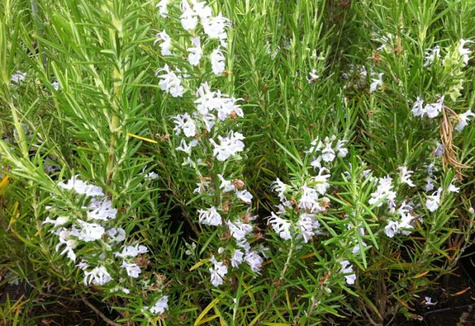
(233, 162)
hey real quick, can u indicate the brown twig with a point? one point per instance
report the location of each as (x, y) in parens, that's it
(98, 312)
(449, 156)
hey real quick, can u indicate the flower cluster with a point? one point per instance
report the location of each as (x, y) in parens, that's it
(430, 110)
(214, 27)
(93, 227)
(18, 77)
(223, 194)
(456, 57)
(304, 200)
(403, 214)
(325, 151)
(384, 193)
(347, 271)
(405, 211)
(170, 81)
(300, 202)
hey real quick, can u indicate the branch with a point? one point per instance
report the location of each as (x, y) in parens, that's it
(98, 312)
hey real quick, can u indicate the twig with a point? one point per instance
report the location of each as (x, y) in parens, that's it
(365, 311)
(449, 156)
(98, 312)
(274, 292)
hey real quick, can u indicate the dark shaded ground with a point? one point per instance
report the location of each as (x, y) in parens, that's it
(454, 303)
(48, 310)
(454, 298)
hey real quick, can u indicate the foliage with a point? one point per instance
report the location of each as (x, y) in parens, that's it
(304, 162)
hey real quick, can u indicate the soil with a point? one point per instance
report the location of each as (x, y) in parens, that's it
(454, 303)
(454, 299)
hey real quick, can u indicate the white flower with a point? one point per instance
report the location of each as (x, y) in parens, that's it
(383, 192)
(189, 20)
(428, 301)
(70, 244)
(101, 210)
(244, 244)
(163, 8)
(206, 99)
(405, 176)
(81, 187)
(132, 269)
(202, 9)
(83, 265)
(432, 110)
(376, 82)
(226, 185)
(453, 188)
(356, 249)
(166, 44)
(464, 118)
(280, 226)
(195, 52)
(313, 76)
(132, 251)
(55, 85)
(98, 276)
(417, 108)
(90, 231)
(245, 196)
(170, 82)
(431, 55)
(309, 198)
(429, 184)
(254, 260)
(239, 230)
(184, 147)
(342, 151)
(218, 272)
(217, 61)
(116, 234)
(60, 220)
(214, 27)
(463, 52)
(308, 226)
(433, 201)
(228, 107)
(209, 120)
(280, 188)
(18, 77)
(439, 150)
(229, 146)
(391, 229)
(347, 270)
(317, 163)
(160, 306)
(183, 122)
(328, 154)
(405, 225)
(209, 216)
(202, 187)
(315, 146)
(152, 176)
(322, 181)
(237, 258)
(386, 41)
